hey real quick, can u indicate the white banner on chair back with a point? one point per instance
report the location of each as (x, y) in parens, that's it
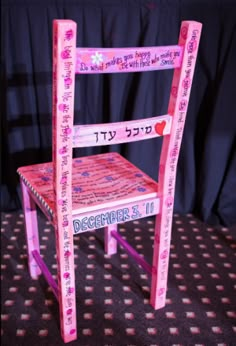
(115, 60)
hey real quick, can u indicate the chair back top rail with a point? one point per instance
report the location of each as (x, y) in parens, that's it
(116, 60)
(121, 132)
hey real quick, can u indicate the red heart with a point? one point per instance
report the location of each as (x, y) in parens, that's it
(159, 127)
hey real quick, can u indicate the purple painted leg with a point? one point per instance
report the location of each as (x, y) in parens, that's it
(110, 241)
(31, 229)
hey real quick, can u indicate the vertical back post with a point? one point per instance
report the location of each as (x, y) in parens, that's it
(179, 98)
(64, 55)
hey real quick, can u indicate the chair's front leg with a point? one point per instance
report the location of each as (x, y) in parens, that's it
(66, 286)
(31, 230)
(110, 242)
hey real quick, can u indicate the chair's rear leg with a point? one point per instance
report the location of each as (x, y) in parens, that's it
(178, 104)
(31, 230)
(110, 241)
(161, 252)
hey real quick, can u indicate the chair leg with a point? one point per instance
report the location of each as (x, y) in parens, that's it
(31, 229)
(67, 308)
(110, 242)
(161, 253)
(66, 286)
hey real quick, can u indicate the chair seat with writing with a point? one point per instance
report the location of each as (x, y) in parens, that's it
(103, 182)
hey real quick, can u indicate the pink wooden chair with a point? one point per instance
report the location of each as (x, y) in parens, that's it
(79, 195)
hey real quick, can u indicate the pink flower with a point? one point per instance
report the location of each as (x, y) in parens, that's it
(66, 275)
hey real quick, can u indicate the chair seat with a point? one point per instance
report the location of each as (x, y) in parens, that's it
(98, 182)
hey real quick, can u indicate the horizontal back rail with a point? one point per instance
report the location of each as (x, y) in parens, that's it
(115, 60)
(121, 132)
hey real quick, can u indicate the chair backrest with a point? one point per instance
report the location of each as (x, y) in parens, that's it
(69, 60)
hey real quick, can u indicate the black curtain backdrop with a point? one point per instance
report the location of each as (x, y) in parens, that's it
(206, 181)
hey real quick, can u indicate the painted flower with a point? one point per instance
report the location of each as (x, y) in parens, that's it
(66, 275)
(141, 189)
(109, 178)
(63, 150)
(65, 223)
(97, 58)
(77, 189)
(69, 35)
(85, 174)
(161, 291)
(45, 179)
(65, 54)
(68, 81)
(71, 290)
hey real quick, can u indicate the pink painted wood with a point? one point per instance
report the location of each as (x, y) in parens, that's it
(101, 191)
(109, 240)
(64, 49)
(111, 215)
(92, 176)
(180, 92)
(132, 252)
(31, 228)
(42, 265)
(136, 59)
(122, 132)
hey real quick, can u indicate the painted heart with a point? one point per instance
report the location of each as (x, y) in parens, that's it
(159, 127)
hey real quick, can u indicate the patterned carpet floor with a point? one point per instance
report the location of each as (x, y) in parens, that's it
(113, 292)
